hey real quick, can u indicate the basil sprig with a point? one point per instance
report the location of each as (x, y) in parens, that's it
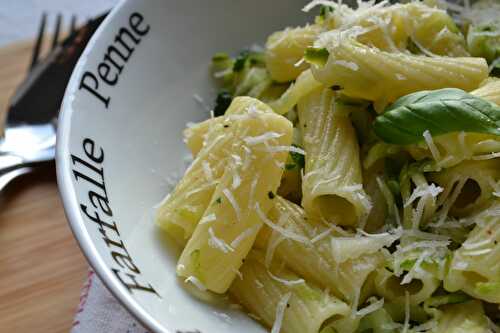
(438, 111)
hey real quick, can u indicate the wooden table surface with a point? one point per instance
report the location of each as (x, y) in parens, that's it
(41, 267)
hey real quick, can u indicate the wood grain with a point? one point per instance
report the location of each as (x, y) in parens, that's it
(41, 267)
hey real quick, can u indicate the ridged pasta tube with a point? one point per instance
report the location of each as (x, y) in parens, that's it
(281, 299)
(382, 77)
(285, 48)
(197, 136)
(475, 267)
(489, 90)
(463, 317)
(306, 247)
(419, 289)
(469, 186)
(229, 225)
(209, 141)
(394, 27)
(332, 184)
(303, 86)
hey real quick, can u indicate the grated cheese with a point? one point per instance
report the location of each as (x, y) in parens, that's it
(486, 156)
(371, 308)
(245, 234)
(342, 247)
(207, 171)
(477, 252)
(472, 246)
(401, 77)
(276, 149)
(288, 283)
(416, 268)
(232, 200)
(255, 140)
(196, 282)
(247, 158)
(347, 64)
(253, 186)
(218, 243)
(202, 102)
(237, 272)
(236, 180)
(286, 233)
(423, 245)
(423, 191)
(406, 325)
(258, 284)
(208, 218)
(280, 312)
(271, 248)
(432, 147)
(322, 235)
(315, 3)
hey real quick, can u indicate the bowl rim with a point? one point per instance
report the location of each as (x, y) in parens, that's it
(67, 190)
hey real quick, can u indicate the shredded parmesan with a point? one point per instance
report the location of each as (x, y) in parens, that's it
(473, 246)
(347, 64)
(218, 243)
(288, 283)
(477, 252)
(486, 156)
(201, 102)
(207, 170)
(255, 140)
(208, 218)
(277, 149)
(244, 235)
(258, 284)
(238, 273)
(286, 233)
(236, 180)
(423, 191)
(253, 186)
(371, 308)
(233, 202)
(280, 312)
(197, 283)
(322, 235)
(406, 325)
(432, 147)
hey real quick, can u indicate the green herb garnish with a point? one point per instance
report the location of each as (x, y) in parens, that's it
(439, 112)
(316, 56)
(222, 103)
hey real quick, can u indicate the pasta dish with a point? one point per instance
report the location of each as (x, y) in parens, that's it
(349, 177)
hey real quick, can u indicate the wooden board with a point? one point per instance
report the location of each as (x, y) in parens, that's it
(41, 267)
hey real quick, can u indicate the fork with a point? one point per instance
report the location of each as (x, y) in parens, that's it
(27, 142)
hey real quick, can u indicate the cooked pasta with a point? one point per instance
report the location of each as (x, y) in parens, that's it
(285, 50)
(281, 299)
(380, 76)
(348, 180)
(238, 202)
(332, 184)
(475, 267)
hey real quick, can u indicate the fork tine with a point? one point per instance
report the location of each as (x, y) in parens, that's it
(56, 31)
(73, 24)
(38, 44)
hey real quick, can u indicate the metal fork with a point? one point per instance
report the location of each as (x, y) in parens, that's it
(28, 143)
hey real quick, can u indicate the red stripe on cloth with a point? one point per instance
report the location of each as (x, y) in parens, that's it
(83, 297)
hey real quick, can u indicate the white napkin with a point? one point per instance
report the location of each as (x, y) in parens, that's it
(100, 312)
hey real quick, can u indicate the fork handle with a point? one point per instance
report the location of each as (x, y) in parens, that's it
(8, 162)
(7, 177)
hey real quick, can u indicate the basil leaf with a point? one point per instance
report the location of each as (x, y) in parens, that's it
(438, 111)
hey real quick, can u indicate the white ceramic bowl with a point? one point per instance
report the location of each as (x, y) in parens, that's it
(119, 141)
